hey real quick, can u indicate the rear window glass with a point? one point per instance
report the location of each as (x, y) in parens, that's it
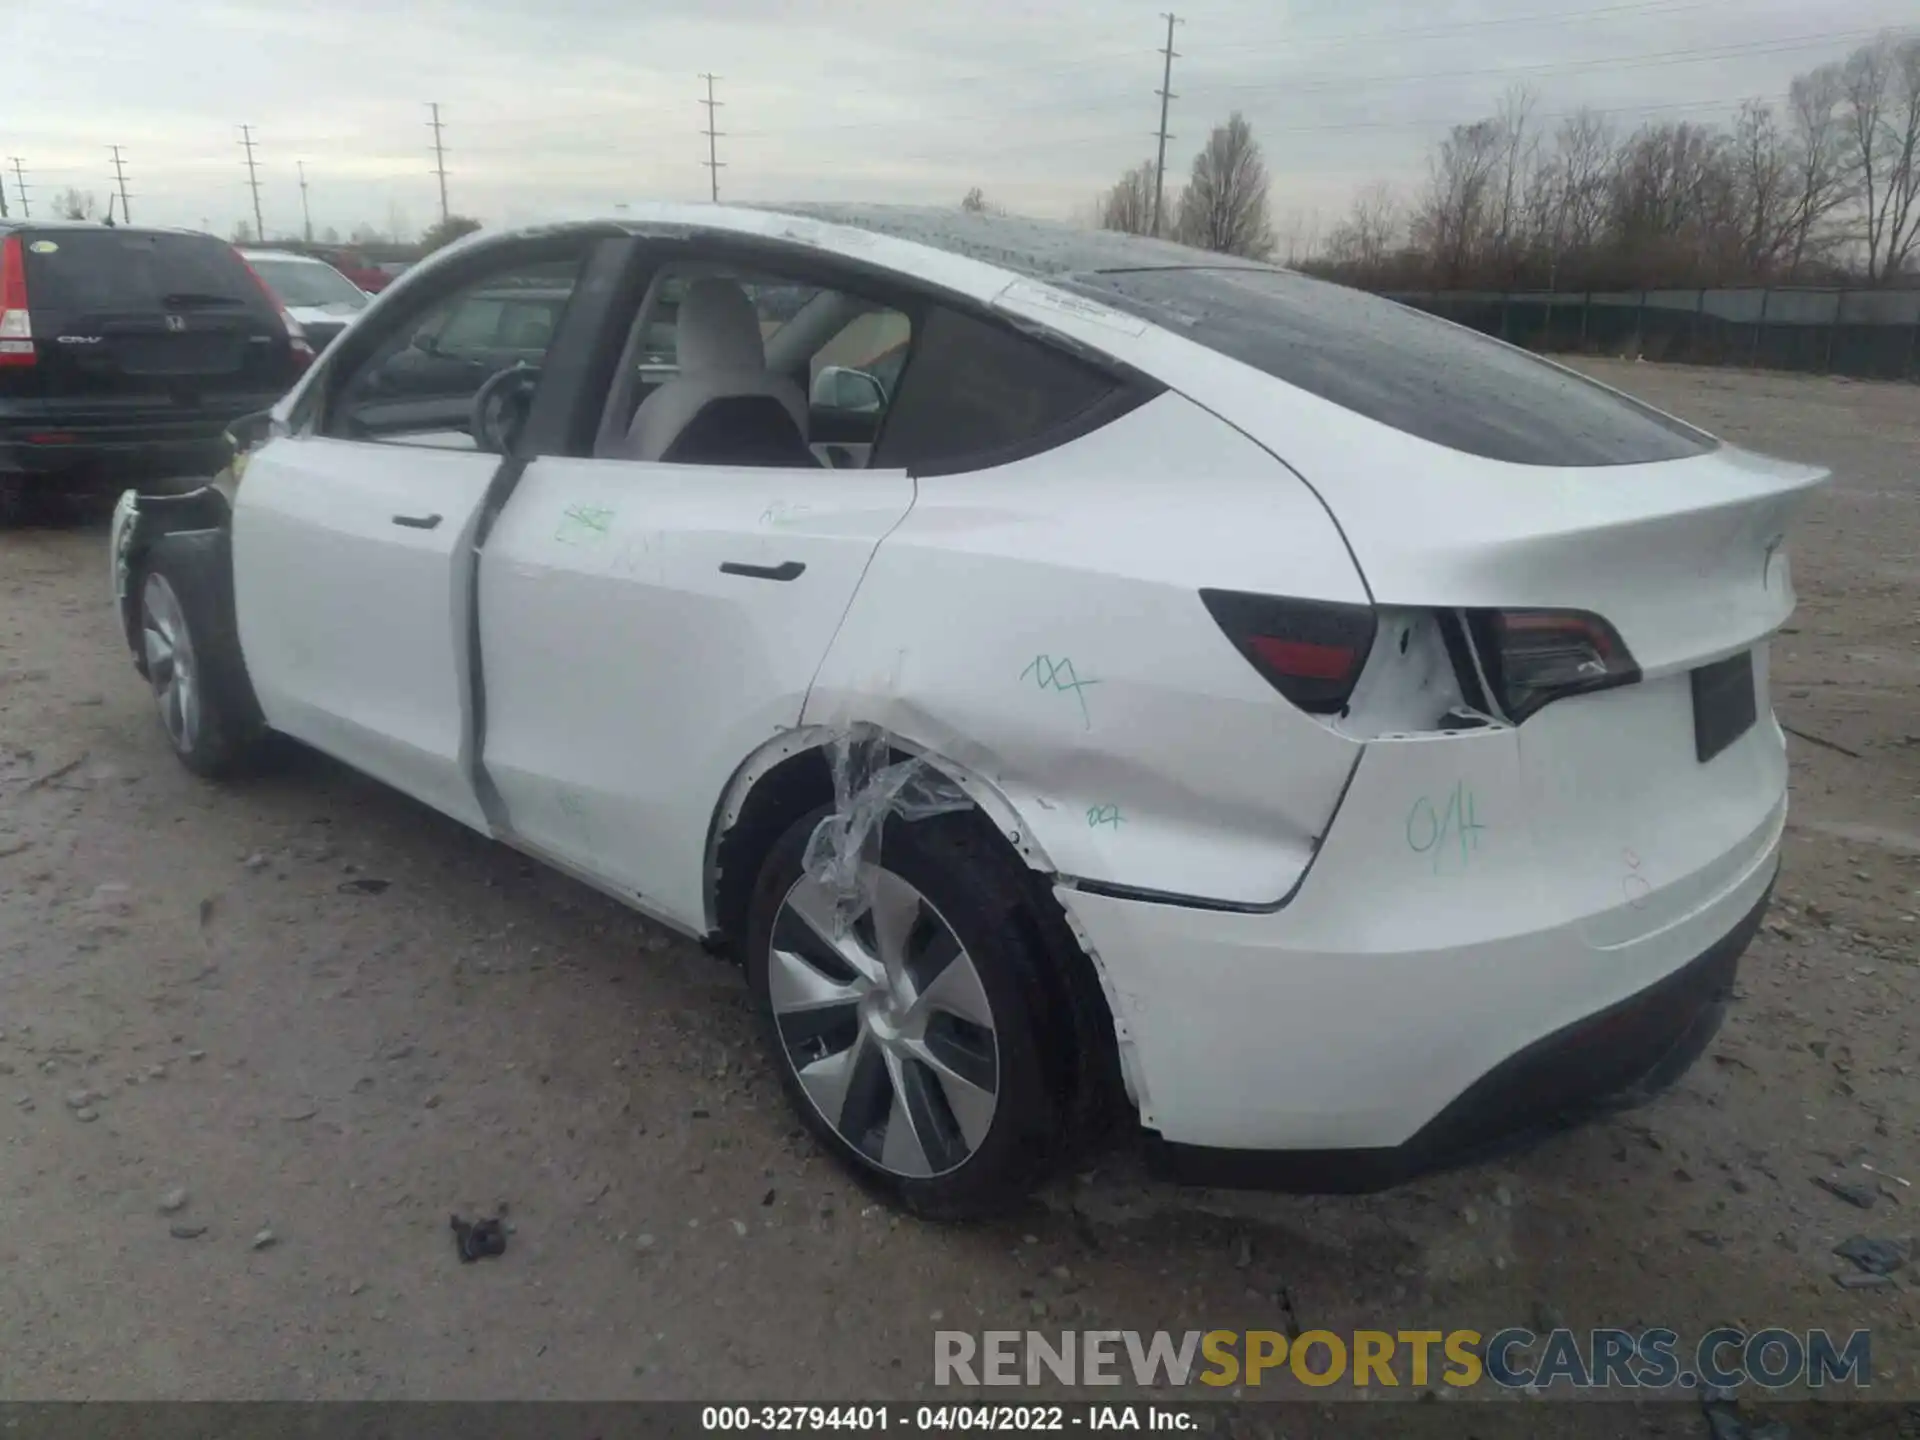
(308, 283)
(1398, 366)
(103, 269)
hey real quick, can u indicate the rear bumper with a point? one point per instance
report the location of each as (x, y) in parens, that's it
(1392, 1034)
(117, 458)
(86, 447)
(1619, 1057)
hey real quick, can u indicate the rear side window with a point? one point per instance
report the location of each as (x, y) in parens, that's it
(76, 271)
(975, 394)
(1396, 365)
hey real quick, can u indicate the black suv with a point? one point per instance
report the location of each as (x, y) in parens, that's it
(125, 354)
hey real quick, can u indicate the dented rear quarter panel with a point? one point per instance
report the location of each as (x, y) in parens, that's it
(1039, 625)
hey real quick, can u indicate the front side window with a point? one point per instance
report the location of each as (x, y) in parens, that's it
(450, 366)
(750, 368)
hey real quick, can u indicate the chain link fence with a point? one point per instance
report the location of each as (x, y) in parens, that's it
(1870, 334)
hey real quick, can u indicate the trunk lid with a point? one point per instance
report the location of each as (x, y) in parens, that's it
(150, 321)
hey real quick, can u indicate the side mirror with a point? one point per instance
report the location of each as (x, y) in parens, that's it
(424, 342)
(838, 387)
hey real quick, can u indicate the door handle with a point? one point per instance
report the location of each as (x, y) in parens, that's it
(417, 522)
(786, 570)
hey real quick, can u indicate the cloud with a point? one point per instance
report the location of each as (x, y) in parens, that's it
(554, 104)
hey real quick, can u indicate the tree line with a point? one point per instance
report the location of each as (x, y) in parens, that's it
(1823, 189)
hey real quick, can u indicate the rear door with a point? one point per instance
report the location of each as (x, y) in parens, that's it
(643, 628)
(138, 327)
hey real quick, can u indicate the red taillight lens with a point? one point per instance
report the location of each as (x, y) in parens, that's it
(1534, 657)
(16, 324)
(1311, 651)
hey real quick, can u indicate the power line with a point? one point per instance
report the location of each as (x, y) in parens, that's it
(1696, 55)
(439, 158)
(253, 183)
(120, 174)
(1165, 92)
(306, 215)
(713, 136)
(20, 185)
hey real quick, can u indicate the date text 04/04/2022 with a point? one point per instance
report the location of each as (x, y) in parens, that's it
(942, 1419)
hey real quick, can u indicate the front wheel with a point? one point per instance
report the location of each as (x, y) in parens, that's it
(192, 659)
(911, 1041)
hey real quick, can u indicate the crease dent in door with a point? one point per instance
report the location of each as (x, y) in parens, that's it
(473, 729)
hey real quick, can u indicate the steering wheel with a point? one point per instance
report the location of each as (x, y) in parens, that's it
(501, 406)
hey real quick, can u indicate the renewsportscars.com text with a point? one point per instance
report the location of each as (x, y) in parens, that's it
(1512, 1359)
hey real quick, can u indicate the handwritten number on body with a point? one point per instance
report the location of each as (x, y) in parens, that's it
(1445, 829)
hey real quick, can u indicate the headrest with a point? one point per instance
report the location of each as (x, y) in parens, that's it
(718, 330)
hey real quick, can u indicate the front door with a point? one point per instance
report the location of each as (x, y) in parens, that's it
(353, 555)
(348, 567)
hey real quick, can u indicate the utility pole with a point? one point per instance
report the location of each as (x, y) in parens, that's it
(439, 159)
(1165, 92)
(20, 186)
(253, 182)
(120, 173)
(713, 135)
(306, 215)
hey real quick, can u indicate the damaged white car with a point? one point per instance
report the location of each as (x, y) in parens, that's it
(1082, 678)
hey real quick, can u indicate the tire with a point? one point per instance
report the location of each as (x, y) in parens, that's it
(930, 1109)
(191, 652)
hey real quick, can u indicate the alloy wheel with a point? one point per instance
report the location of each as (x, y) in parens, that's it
(171, 666)
(887, 1026)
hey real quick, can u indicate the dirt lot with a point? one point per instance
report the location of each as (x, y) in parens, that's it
(346, 1068)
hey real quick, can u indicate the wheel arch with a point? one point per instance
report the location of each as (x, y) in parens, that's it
(141, 521)
(793, 774)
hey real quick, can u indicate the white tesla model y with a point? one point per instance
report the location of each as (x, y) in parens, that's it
(1078, 676)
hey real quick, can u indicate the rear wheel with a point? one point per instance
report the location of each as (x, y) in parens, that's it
(192, 660)
(912, 1042)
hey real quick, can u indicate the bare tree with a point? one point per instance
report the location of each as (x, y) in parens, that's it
(1128, 205)
(1225, 206)
(974, 202)
(1300, 235)
(1371, 230)
(1819, 179)
(72, 204)
(1519, 158)
(1451, 222)
(1762, 174)
(1880, 86)
(1586, 156)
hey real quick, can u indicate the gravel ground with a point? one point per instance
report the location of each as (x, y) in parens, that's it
(242, 1086)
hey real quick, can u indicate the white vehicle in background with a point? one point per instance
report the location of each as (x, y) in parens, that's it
(1077, 675)
(322, 300)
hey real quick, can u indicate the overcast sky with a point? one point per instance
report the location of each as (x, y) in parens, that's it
(564, 104)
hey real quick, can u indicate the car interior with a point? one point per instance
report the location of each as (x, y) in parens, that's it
(725, 368)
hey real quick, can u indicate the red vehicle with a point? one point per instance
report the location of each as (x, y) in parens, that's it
(357, 268)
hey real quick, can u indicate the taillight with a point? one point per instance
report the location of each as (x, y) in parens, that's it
(16, 324)
(303, 353)
(1534, 657)
(1311, 651)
